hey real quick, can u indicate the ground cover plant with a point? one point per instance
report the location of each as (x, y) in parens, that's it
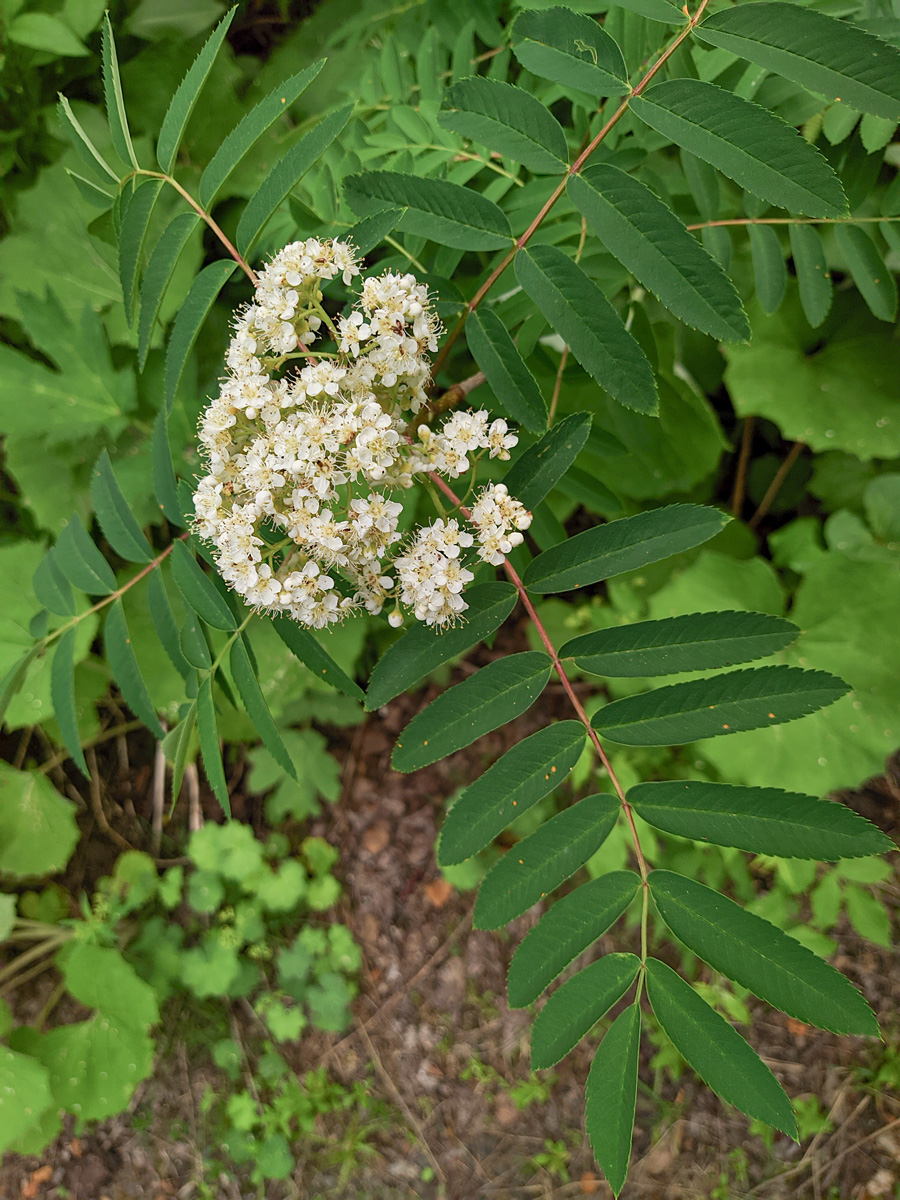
(512, 328)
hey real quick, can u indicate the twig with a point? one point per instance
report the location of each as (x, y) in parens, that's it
(737, 496)
(557, 384)
(195, 813)
(775, 486)
(97, 803)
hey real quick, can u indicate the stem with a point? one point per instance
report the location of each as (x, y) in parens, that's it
(47, 946)
(774, 487)
(737, 496)
(563, 358)
(791, 221)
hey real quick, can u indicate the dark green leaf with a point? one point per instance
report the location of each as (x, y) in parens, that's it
(444, 212)
(667, 11)
(285, 175)
(495, 694)
(825, 55)
(759, 820)
(570, 926)
(251, 127)
(542, 861)
(507, 375)
(746, 142)
(588, 324)
(164, 483)
(870, 274)
(524, 775)
(115, 102)
(505, 119)
(611, 1096)
(304, 646)
(696, 642)
(191, 316)
(576, 1006)
(164, 622)
(209, 743)
(371, 231)
(730, 703)
(535, 473)
(759, 956)
(645, 236)
(248, 687)
(62, 693)
(570, 49)
(90, 191)
(194, 645)
(769, 270)
(176, 745)
(52, 588)
(82, 144)
(132, 237)
(623, 545)
(185, 98)
(199, 591)
(162, 263)
(80, 560)
(813, 277)
(116, 518)
(425, 648)
(125, 669)
(716, 1051)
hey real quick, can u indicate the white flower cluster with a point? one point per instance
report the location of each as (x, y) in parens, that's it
(305, 446)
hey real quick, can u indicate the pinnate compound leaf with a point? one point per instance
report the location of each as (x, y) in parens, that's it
(165, 484)
(446, 213)
(571, 49)
(758, 820)
(251, 127)
(116, 519)
(543, 860)
(746, 142)
(199, 591)
(824, 55)
(132, 236)
(760, 956)
(182, 104)
(62, 693)
(813, 277)
(495, 694)
(82, 144)
(286, 174)
(24, 1095)
(162, 263)
(164, 622)
(525, 774)
(623, 545)
(570, 926)
(695, 642)
(611, 1096)
(769, 271)
(125, 669)
(115, 101)
(247, 683)
(576, 1006)
(588, 324)
(209, 743)
(37, 826)
(304, 646)
(507, 120)
(507, 375)
(874, 279)
(537, 471)
(646, 237)
(716, 1051)
(191, 316)
(424, 648)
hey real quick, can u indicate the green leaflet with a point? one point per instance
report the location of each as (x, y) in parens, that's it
(759, 956)
(525, 774)
(191, 316)
(685, 712)
(507, 375)
(695, 642)
(505, 119)
(247, 683)
(716, 1051)
(535, 473)
(495, 694)
(571, 49)
(182, 103)
(587, 322)
(15, 676)
(746, 142)
(52, 588)
(623, 545)
(116, 518)
(209, 743)
(825, 55)
(304, 646)
(543, 860)
(164, 622)
(80, 560)
(115, 102)
(82, 144)
(132, 236)
(813, 277)
(199, 591)
(176, 746)
(646, 237)
(193, 643)
(371, 231)
(759, 820)
(251, 127)
(611, 1096)
(870, 274)
(165, 485)
(162, 263)
(285, 175)
(125, 669)
(769, 271)
(576, 1006)
(62, 693)
(444, 212)
(668, 11)
(423, 649)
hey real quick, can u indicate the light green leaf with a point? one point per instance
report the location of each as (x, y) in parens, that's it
(115, 101)
(746, 142)
(52, 588)
(716, 1051)
(571, 49)
(304, 646)
(41, 31)
(507, 120)
(132, 237)
(209, 743)
(623, 545)
(199, 591)
(82, 144)
(37, 826)
(769, 270)
(99, 977)
(587, 322)
(507, 375)
(759, 820)
(874, 279)
(248, 687)
(444, 212)
(162, 263)
(125, 669)
(62, 692)
(576, 1006)
(542, 861)
(164, 622)
(535, 473)
(685, 712)
(646, 237)
(495, 694)
(24, 1095)
(611, 1096)
(95, 1065)
(116, 518)
(191, 316)
(182, 104)
(759, 956)
(525, 774)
